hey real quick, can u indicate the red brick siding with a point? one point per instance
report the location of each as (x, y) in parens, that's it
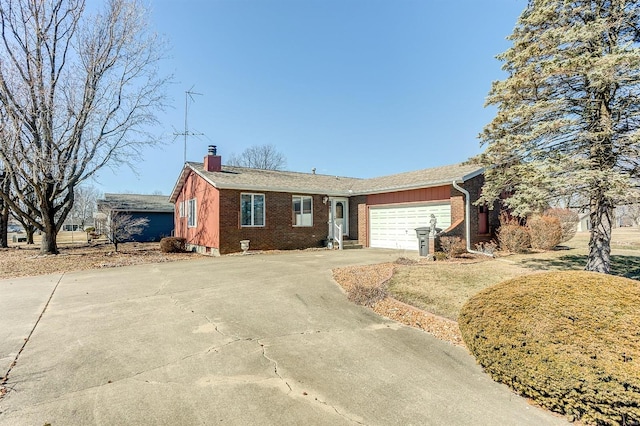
(354, 215)
(278, 232)
(458, 202)
(363, 224)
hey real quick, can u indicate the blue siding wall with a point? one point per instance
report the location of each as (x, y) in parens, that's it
(160, 225)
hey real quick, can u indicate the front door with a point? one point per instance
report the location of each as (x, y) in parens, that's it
(339, 214)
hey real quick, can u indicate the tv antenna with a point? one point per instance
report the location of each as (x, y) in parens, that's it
(188, 94)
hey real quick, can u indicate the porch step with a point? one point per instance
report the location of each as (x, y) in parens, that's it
(351, 244)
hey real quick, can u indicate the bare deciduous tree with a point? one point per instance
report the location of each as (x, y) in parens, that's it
(77, 91)
(84, 204)
(120, 226)
(265, 157)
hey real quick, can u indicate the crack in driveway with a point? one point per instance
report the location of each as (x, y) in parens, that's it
(4, 389)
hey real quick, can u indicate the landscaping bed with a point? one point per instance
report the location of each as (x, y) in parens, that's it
(367, 283)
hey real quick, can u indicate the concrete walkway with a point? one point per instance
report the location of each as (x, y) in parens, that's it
(262, 339)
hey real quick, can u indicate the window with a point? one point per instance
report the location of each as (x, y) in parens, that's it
(483, 220)
(252, 209)
(191, 213)
(302, 210)
(181, 208)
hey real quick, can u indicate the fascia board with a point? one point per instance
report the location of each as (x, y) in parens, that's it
(472, 175)
(179, 184)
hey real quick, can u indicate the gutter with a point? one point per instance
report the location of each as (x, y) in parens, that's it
(467, 219)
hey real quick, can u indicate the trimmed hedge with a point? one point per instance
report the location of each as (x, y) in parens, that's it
(173, 245)
(513, 237)
(568, 340)
(568, 222)
(545, 232)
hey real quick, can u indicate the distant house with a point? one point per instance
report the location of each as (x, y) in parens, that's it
(218, 206)
(156, 208)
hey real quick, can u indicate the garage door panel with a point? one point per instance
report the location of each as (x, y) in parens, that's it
(394, 226)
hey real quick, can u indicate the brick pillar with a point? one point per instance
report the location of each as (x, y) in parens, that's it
(432, 245)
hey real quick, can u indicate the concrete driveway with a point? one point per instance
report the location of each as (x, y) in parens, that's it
(261, 339)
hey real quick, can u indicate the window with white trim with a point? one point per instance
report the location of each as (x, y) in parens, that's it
(191, 213)
(181, 208)
(302, 210)
(252, 209)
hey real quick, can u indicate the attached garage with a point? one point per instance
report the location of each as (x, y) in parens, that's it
(394, 226)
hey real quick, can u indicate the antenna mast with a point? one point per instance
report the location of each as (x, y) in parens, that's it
(187, 94)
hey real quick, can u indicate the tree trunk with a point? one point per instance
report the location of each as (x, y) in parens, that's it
(601, 215)
(4, 223)
(49, 243)
(30, 231)
(50, 234)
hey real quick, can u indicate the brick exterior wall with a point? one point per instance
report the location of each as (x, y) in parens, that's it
(458, 202)
(363, 224)
(278, 232)
(355, 230)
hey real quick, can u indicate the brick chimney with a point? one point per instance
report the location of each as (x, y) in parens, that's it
(212, 161)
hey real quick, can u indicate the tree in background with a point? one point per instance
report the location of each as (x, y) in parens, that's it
(568, 113)
(76, 91)
(84, 204)
(265, 157)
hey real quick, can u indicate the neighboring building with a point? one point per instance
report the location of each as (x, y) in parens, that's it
(156, 208)
(218, 206)
(584, 222)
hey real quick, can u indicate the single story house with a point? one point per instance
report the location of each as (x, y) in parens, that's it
(156, 208)
(218, 206)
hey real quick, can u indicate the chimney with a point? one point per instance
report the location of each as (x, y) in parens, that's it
(212, 161)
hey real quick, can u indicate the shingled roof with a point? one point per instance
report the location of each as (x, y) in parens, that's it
(248, 179)
(137, 203)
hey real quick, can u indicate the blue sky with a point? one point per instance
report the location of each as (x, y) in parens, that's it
(356, 88)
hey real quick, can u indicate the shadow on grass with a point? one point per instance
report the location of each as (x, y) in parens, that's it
(624, 266)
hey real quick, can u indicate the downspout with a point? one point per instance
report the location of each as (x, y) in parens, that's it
(467, 219)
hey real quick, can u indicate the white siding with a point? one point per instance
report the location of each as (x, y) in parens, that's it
(394, 226)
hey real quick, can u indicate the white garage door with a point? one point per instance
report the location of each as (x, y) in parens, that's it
(394, 227)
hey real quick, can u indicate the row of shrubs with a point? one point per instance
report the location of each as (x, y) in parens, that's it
(540, 232)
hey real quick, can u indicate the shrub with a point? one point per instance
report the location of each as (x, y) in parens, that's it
(545, 232)
(366, 295)
(512, 236)
(568, 340)
(488, 247)
(440, 255)
(568, 222)
(173, 245)
(452, 246)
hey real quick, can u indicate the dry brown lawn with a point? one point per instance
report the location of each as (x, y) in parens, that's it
(443, 287)
(76, 254)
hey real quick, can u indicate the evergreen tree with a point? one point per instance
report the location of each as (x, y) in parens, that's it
(568, 114)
